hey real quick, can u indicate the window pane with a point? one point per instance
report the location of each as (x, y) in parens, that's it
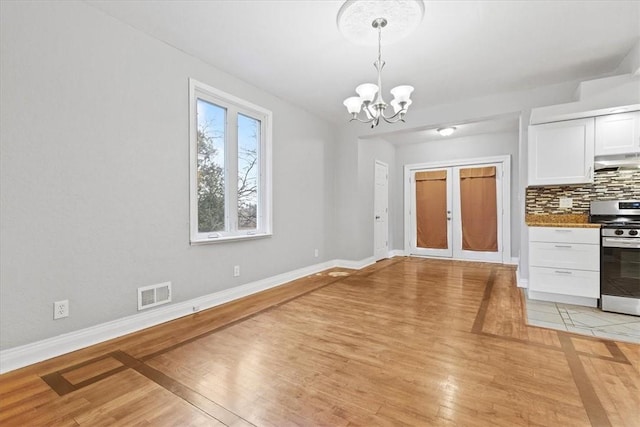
(248, 171)
(211, 128)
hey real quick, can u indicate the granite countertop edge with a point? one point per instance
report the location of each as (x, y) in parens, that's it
(559, 220)
(563, 224)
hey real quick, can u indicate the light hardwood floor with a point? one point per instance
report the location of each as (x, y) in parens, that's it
(406, 341)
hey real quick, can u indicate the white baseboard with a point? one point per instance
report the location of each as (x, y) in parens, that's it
(356, 265)
(521, 281)
(397, 252)
(18, 357)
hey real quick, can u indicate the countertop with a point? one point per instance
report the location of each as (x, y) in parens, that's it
(559, 220)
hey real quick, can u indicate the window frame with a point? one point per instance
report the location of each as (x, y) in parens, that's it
(234, 106)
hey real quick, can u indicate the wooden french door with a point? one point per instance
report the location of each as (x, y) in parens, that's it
(456, 212)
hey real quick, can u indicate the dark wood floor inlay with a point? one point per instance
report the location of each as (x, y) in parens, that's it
(234, 322)
(484, 305)
(62, 386)
(191, 396)
(592, 404)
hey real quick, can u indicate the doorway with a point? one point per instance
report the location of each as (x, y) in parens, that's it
(456, 210)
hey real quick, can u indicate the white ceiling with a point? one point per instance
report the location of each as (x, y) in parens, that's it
(462, 49)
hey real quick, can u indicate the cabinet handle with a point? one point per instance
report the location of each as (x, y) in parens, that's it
(590, 172)
(562, 272)
(564, 246)
(563, 231)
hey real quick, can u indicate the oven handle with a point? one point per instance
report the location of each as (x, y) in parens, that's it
(613, 242)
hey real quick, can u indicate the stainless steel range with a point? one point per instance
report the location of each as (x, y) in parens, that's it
(619, 254)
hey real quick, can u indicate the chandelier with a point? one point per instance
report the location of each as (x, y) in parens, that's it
(369, 97)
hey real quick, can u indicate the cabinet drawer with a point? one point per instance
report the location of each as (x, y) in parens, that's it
(566, 282)
(575, 256)
(565, 235)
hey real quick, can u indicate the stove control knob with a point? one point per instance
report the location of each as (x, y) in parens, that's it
(633, 232)
(619, 232)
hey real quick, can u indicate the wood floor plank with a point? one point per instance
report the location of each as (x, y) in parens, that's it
(406, 341)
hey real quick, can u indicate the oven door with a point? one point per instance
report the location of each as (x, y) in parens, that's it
(620, 275)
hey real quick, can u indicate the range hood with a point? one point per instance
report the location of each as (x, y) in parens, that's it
(629, 161)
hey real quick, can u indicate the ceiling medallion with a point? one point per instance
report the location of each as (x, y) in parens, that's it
(406, 15)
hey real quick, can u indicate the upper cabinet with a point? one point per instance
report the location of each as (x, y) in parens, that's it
(618, 134)
(561, 152)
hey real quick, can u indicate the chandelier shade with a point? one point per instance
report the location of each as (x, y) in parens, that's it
(367, 92)
(353, 104)
(402, 93)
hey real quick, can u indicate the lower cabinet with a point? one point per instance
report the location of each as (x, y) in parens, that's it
(564, 264)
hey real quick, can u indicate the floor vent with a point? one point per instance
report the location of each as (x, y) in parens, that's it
(151, 296)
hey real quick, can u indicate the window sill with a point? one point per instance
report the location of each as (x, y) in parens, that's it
(208, 241)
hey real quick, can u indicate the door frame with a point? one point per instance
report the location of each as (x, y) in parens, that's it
(506, 197)
(376, 255)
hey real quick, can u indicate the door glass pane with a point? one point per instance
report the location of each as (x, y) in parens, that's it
(431, 209)
(248, 171)
(211, 120)
(479, 209)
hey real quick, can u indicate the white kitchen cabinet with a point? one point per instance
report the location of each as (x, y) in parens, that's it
(617, 134)
(564, 264)
(561, 152)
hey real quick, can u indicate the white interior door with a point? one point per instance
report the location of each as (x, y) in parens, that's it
(381, 211)
(431, 208)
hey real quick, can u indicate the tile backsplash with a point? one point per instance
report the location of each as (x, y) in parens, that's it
(608, 185)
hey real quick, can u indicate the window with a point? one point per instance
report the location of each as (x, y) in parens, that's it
(230, 146)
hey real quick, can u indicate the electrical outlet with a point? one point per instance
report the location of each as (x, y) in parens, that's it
(236, 271)
(566, 202)
(316, 253)
(60, 309)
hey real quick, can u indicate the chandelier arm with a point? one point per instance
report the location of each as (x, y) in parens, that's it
(392, 120)
(399, 113)
(371, 113)
(358, 119)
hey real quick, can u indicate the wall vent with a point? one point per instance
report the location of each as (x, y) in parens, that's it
(151, 296)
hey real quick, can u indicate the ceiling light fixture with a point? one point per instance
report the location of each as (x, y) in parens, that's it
(446, 131)
(374, 109)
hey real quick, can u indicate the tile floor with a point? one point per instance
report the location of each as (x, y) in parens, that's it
(583, 320)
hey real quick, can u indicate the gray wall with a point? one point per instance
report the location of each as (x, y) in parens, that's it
(95, 177)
